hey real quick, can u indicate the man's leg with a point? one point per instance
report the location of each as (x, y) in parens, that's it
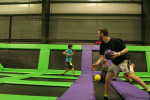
(113, 70)
(138, 80)
(109, 78)
(126, 67)
(127, 78)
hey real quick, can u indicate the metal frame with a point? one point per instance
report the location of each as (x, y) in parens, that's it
(10, 26)
(64, 41)
(40, 2)
(138, 2)
(79, 14)
(10, 3)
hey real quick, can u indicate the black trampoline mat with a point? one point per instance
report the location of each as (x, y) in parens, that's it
(22, 59)
(51, 79)
(99, 92)
(58, 60)
(146, 82)
(59, 75)
(1, 76)
(32, 90)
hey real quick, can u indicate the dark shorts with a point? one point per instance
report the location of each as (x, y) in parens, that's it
(69, 65)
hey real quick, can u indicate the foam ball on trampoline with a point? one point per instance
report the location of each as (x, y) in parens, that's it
(69, 56)
(97, 77)
(107, 54)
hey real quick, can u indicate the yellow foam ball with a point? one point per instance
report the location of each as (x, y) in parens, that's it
(97, 77)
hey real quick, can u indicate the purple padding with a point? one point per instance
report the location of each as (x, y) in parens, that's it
(129, 91)
(81, 89)
(86, 61)
(72, 99)
(96, 72)
(96, 47)
(84, 78)
(86, 47)
(86, 72)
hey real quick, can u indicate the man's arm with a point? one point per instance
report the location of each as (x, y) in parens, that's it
(100, 60)
(94, 66)
(123, 51)
(116, 54)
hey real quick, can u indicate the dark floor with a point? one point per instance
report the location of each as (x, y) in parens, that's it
(32, 90)
(99, 92)
(51, 79)
(3, 76)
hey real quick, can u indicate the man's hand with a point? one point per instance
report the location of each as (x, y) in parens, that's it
(94, 66)
(114, 55)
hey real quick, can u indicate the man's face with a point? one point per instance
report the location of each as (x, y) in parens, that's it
(100, 35)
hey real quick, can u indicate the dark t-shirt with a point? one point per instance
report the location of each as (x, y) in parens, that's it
(116, 45)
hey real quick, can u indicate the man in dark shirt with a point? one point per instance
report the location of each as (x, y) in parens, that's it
(120, 60)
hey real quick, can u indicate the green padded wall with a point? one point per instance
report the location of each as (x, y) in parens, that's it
(136, 48)
(43, 59)
(1, 67)
(45, 51)
(148, 60)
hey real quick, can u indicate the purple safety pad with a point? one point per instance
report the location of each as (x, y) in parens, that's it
(82, 89)
(129, 91)
(86, 61)
(86, 47)
(96, 73)
(96, 47)
(86, 72)
(72, 99)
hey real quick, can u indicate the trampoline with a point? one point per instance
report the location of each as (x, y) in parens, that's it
(47, 83)
(31, 85)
